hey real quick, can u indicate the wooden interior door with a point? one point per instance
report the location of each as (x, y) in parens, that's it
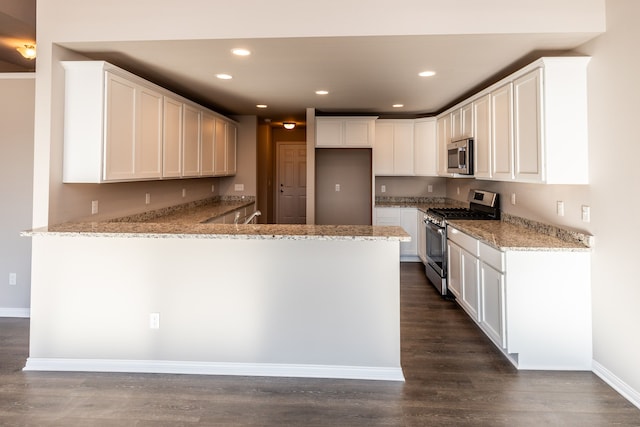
(291, 199)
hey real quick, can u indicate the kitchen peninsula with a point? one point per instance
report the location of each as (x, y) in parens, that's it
(190, 297)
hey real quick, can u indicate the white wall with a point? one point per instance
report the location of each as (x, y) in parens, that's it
(17, 95)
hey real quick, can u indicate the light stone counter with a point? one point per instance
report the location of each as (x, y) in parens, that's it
(511, 237)
(181, 229)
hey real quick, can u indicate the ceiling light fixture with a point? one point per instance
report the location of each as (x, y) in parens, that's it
(261, 106)
(224, 76)
(398, 105)
(289, 125)
(322, 92)
(427, 73)
(28, 51)
(241, 52)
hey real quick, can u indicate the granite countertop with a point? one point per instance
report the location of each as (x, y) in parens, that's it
(511, 237)
(183, 230)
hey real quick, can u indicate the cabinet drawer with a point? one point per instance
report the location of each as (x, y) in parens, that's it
(492, 256)
(463, 240)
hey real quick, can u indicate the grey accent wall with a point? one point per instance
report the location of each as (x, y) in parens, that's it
(17, 97)
(351, 169)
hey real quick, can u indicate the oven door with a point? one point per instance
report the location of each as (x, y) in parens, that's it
(436, 242)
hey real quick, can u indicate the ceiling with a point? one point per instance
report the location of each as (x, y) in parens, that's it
(364, 75)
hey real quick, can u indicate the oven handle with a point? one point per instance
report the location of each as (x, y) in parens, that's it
(434, 227)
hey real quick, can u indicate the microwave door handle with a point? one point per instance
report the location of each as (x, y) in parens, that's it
(461, 158)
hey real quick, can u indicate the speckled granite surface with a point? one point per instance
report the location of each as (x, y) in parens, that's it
(181, 230)
(506, 236)
(511, 233)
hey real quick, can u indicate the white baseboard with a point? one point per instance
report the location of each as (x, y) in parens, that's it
(15, 312)
(213, 368)
(617, 384)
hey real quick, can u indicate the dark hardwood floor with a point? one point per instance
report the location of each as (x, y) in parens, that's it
(454, 376)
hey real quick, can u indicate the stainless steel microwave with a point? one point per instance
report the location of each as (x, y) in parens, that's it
(460, 156)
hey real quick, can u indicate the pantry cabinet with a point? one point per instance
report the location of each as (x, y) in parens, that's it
(345, 132)
(119, 127)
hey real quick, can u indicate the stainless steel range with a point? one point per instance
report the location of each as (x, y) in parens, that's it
(482, 205)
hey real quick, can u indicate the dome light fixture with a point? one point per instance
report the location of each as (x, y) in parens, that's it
(28, 51)
(289, 125)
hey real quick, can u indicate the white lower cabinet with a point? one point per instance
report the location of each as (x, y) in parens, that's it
(407, 218)
(422, 238)
(535, 305)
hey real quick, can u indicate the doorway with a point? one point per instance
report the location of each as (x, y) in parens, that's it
(291, 182)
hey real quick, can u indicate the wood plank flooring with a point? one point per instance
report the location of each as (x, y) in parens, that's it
(454, 377)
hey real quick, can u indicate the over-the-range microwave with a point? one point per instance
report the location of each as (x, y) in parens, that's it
(460, 156)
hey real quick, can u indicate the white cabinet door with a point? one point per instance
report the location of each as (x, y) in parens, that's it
(345, 131)
(191, 141)
(456, 124)
(329, 132)
(231, 143)
(501, 135)
(359, 132)
(425, 152)
(172, 139)
(466, 121)
(133, 134)
(492, 311)
(409, 221)
(207, 144)
(527, 125)
(470, 286)
(443, 138)
(220, 156)
(403, 148)
(120, 129)
(454, 269)
(383, 149)
(482, 136)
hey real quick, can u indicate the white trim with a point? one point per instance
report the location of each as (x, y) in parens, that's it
(617, 384)
(25, 75)
(15, 312)
(214, 368)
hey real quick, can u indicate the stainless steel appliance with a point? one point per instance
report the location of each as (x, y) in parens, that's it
(482, 205)
(460, 157)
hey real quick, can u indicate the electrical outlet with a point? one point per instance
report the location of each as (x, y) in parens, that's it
(458, 190)
(429, 188)
(154, 320)
(238, 187)
(184, 192)
(513, 198)
(383, 188)
(337, 187)
(94, 207)
(213, 188)
(560, 208)
(147, 198)
(13, 279)
(586, 213)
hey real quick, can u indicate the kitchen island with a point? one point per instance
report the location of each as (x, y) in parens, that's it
(184, 297)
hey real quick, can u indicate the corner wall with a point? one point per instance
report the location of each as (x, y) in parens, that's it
(17, 98)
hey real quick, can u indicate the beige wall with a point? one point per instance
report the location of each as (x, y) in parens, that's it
(246, 161)
(17, 95)
(410, 186)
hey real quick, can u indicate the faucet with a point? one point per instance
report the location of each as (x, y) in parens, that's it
(252, 216)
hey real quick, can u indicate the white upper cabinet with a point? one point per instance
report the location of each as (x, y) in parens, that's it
(393, 148)
(482, 136)
(443, 137)
(501, 133)
(345, 132)
(425, 152)
(120, 127)
(537, 124)
(207, 144)
(172, 138)
(462, 122)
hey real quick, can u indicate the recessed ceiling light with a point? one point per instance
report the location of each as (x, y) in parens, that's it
(427, 73)
(240, 52)
(322, 92)
(398, 105)
(224, 76)
(261, 105)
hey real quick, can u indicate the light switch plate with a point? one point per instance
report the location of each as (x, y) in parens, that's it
(238, 187)
(560, 208)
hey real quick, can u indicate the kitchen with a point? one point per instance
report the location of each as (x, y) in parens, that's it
(532, 202)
